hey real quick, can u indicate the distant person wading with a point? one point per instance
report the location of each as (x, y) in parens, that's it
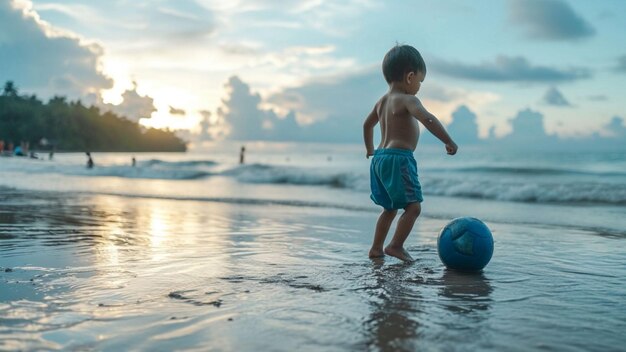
(242, 155)
(89, 160)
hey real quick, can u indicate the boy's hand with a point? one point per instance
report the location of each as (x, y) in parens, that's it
(451, 148)
(368, 154)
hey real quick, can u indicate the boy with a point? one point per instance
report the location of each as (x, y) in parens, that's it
(393, 171)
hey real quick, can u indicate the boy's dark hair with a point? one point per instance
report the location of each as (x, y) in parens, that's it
(400, 60)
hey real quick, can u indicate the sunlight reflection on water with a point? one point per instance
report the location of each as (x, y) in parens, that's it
(104, 272)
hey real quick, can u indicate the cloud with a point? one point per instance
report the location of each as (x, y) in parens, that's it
(509, 69)
(464, 126)
(43, 59)
(554, 97)
(328, 18)
(528, 133)
(240, 49)
(286, 65)
(598, 97)
(549, 20)
(612, 135)
(616, 128)
(528, 130)
(175, 111)
(240, 110)
(184, 20)
(621, 64)
(339, 96)
(133, 106)
(242, 117)
(333, 108)
(139, 22)
(205, 126)
(439, 93)
(324, 110)
(241, 114)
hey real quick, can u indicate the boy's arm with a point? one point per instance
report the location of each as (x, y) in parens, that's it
(415, 107)
(368, 132)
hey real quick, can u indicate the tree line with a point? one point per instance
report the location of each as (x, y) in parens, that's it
(71, 126)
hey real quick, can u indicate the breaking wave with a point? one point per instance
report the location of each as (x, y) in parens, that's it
(503, 183)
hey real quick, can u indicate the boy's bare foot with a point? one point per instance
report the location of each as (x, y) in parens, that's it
(399, 253)
(376, 253)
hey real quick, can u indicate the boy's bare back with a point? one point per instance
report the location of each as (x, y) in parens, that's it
(398, 114)
(398, 128)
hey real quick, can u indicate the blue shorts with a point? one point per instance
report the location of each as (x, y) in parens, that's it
(393, 178)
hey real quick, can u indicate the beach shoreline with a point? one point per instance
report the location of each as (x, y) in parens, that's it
(109, 272)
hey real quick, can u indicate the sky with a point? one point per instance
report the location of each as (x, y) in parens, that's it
(310, 69)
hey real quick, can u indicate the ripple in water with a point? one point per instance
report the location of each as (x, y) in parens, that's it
(107, 272)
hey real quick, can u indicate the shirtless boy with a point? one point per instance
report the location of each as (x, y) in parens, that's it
(393, 170)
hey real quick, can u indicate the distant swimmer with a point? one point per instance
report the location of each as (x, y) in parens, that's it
(242, 154)
(89, 160)
(133, 161)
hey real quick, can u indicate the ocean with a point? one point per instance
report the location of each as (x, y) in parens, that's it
(194, 251)
(572, 189)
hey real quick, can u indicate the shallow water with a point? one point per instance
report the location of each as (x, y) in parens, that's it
(119, 273)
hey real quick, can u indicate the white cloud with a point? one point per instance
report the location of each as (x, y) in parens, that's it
(70, 66)
(334, 106)
(133, 106)
(240, 112)
(329, 18)
(177, 111)
(443, 101)
(182, 50)
(137, 22)
(205, 126)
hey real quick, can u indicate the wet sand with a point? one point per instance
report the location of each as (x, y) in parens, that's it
(116, 273)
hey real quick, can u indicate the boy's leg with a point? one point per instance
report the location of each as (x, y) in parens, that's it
(382, 228)
(405, 225)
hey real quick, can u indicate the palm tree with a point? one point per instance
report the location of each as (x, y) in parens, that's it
(10, 89)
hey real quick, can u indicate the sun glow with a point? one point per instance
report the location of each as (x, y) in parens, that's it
(118, 70)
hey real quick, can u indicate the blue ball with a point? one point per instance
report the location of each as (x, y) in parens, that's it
(465, 244)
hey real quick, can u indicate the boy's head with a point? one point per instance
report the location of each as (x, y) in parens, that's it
(400, 60)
